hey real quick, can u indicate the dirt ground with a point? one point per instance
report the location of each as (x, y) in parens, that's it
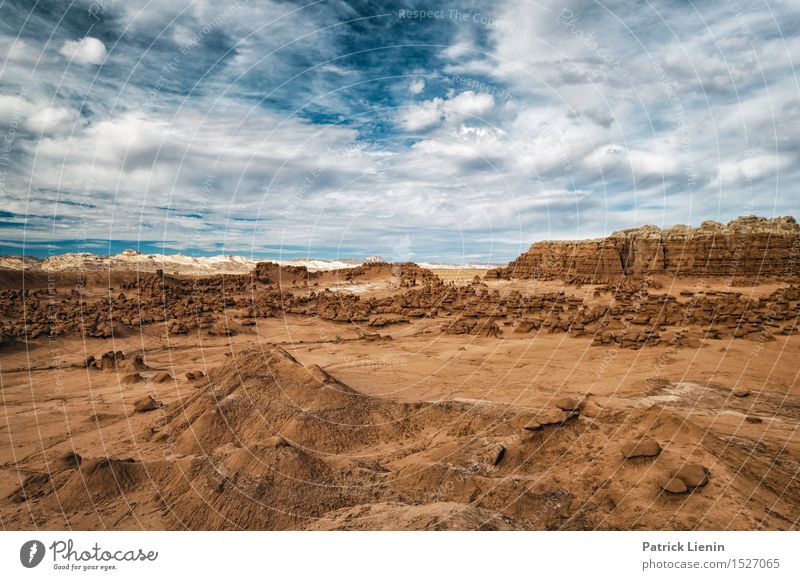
(297, 422)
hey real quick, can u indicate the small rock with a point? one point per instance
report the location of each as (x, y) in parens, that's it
(552, 418)
(741, 393)
(195, 375)
(591, 409)
(674, 485)
(131, 379)
(641, 448)
(148, 403)
(693, 475)
(161, 377)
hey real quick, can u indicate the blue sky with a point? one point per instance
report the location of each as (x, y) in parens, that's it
(449, 131)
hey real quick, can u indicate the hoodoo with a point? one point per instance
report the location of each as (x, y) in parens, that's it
(746, 246)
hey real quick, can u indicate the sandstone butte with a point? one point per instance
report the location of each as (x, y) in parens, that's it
(746, 246)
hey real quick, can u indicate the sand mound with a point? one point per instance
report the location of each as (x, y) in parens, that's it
(259, 487)
(269, 393)
(267, 443)
(398, 516)
(99, 481)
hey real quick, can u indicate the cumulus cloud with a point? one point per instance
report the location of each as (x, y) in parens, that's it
(467, 105)
(470, 104)
(422, 116)
(87, 50)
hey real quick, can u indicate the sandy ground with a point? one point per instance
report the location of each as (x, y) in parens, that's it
(304, 423)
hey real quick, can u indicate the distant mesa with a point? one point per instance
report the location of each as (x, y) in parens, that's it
(747, 246)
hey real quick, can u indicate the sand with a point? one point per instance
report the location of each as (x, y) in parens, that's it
(293, 421)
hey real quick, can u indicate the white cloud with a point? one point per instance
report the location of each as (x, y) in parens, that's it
(87, 50)
(423, 116)
(641, 164)
(49, 119)
(12, 110)
(453, 111)
(416, 86)
(470, 104)
(20, 52)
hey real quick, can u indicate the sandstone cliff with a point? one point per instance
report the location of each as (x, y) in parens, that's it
(745, 247)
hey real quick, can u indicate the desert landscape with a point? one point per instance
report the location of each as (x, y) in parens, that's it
(646, 380)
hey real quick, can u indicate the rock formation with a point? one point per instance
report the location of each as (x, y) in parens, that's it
(747, 246)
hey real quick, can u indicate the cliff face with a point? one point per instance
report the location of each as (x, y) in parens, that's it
(747, 246)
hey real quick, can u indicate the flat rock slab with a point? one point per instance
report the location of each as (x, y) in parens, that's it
(554, 417)
(569, 403)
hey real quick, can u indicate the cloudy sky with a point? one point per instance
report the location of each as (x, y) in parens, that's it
(444, 131)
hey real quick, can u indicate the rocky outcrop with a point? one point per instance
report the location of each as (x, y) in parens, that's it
(626, 313)
(745, 247)
(404, 274)
(272, 273)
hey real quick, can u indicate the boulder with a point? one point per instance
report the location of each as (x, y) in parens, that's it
(641, 448)
(145, 404)
(693, 475)
(673, 485)
(569, 403)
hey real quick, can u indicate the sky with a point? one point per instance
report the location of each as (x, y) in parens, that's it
(453, 132)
